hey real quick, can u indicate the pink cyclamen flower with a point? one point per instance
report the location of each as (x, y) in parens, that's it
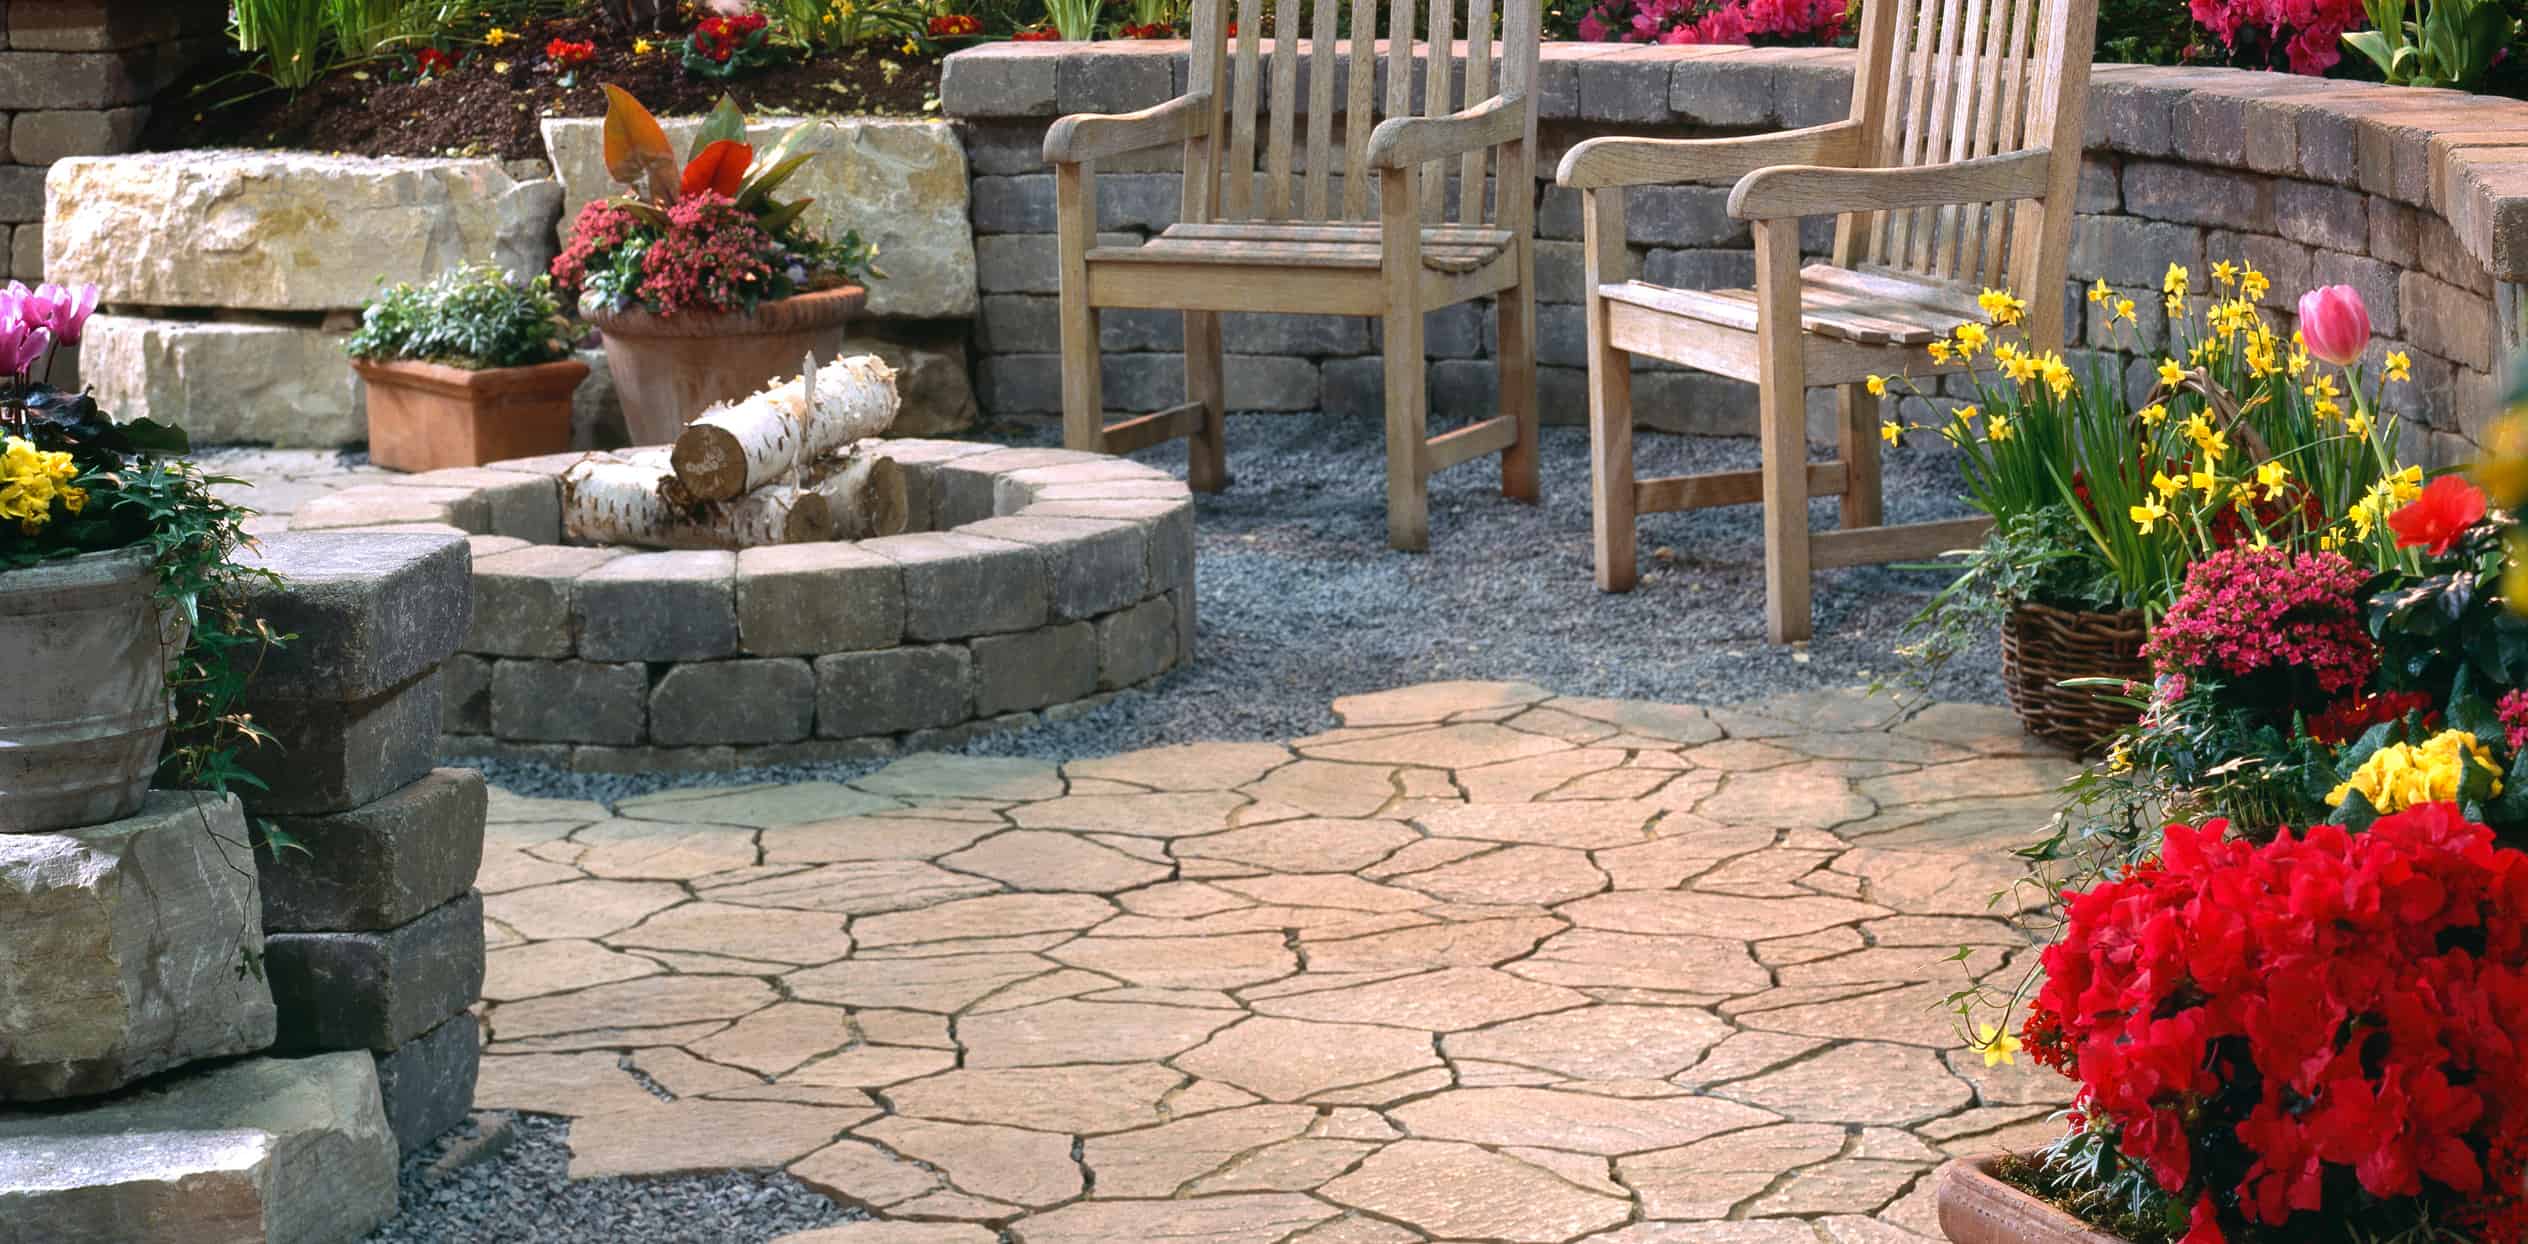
(71, 308)
(2334, 324)
(21, 343)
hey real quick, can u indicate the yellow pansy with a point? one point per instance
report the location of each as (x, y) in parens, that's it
(2147, 514)
(2402, 775)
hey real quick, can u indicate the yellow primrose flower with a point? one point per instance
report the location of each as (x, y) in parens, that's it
(2148, 513)
(2174, 284)
(2152, 414)
(496, 36)
(643, 47)
(1877, 385)
(2225, 272)
(2402, 775)
(2169, 372)
(1891, 432)
(1997, 1046)
(2271, 477)
(2400, 365)
(2099, 293)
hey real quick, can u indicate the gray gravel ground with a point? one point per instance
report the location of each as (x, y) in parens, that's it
(1302, 601)
(521, 1196)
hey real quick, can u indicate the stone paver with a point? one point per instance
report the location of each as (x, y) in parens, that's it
(1483, 963)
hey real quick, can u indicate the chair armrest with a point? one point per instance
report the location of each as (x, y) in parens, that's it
(1604, 163)
(1400, 142)
(1082, 137)
(1786, 192)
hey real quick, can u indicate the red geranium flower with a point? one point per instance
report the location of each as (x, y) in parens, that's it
(569, 55)
(2436, 519)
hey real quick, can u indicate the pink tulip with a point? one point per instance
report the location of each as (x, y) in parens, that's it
(2333, 324)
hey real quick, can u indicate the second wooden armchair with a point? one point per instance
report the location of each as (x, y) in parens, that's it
(1955, 172)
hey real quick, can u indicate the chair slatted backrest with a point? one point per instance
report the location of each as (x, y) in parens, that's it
(1946, 80)
(1256, 97)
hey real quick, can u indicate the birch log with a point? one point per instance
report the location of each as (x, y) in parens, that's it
(865, 496)
(749, 443)
(620, 501)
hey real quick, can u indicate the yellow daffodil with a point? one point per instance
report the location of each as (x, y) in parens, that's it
(496, 36)
(2364, 516)
(1939, 350)
(2225, 272)
(2001, 307)
(2099, 293)
(2400, 366)
(2147, 514)
(1998, 428)
(2271, 477)
(2169, 372)
(1966, 415)
(2358, 423)
(2152, 415)
(2175, 282)
(2330, 540)
(1971, 338)
(2124, 310)
(2167, 488)
(1997, 1047)
(2405, 485)
(1891, 432)
(2252, 284)
(2203, 482)
(1877, 385)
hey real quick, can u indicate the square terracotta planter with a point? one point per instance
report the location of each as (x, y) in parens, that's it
(425, 416)
(1976, 1207)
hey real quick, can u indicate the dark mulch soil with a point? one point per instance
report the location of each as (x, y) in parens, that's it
(490, 104)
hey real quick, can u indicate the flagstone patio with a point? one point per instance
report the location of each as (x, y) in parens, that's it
(1482, 964)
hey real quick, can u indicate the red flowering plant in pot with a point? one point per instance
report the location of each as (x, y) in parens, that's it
(2314, 1038)
(703, 283)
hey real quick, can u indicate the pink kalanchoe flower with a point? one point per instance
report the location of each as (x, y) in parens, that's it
(2334, 324)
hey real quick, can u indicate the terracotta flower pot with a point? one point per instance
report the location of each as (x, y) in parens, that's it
(670, 368)
(1978, 1208)
(425, 416)
(84, 652)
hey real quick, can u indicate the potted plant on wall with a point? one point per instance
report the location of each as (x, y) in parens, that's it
(113, 556)
(702, 283)
(472, 368)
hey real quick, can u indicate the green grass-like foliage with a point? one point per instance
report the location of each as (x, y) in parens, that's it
(475, 317)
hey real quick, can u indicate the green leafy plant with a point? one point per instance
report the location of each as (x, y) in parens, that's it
(288, 36)
(2451, 43)
(366, 28)
(474, 317)
(1074, 20)
(839, 25)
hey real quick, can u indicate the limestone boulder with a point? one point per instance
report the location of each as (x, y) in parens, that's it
(901, 183)
(122, 947)
(933, 381)
(284, 230)
(285, 385)
(275, 1151)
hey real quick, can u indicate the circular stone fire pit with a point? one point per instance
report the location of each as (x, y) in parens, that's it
(1034, 582)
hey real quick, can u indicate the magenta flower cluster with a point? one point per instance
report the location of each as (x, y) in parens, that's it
(2310, 32)
(2513, 711)
(603, 225)
(2247, 611)
(1714, 21)
(34, 321)
(713, 257)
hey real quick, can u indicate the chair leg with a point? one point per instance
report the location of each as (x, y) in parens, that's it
(1612, 513)
(1857, 430)
(1783, 418)
(1408, 423)
(1083, 398)
(1207, 450)
(1515, 313)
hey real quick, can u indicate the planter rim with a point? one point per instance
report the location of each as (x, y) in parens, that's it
(558, 375)
(79, 569)
(2038, 1221)
(817, 309)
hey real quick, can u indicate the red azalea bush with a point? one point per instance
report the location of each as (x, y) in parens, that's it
(2310, 32)
(2285, 626)
(2308, 1038)
(1803, 22)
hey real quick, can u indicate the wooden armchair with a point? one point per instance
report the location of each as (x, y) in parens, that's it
(1955, 172)
(1285, 239)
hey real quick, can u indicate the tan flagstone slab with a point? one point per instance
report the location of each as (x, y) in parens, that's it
(528, 971)
(1812, 795)
(1740, 755)
(1598, 1043)
(1893, 963)
(700, 1136)
(1313, 845)
(1016, 943)
(504, 805)
(1670, 862)
(607, 1038)
(1321, 922)
(570, 1084)
(1988, 778)
(1714, 915)
(506, 868)
(1577, 1122)
(939, 774)
(885, 1026)
(994, 915)
(1847, 1186)
(1339, 890)
(803, 938)
(1944, 883)
(894, 1233)
(1986, 728)
(1708, 1178)
(1323, 788)
(1463, 1192)
(1168, 814)
(580, 908)
(654, 1001)
(1808, 948)
(1862, 1082)
(1423, 855)
(1158, 1161)
(1067, 983)
(683, 1075)
(1442, 1001)
(1760, 1231)
(1101, 786)
(1770, 873)
(1206, 999)
(1072, 1031)
(1355, 1230)
(864, 887)
(953, 1204)
(1291, 1166)
(859, 1173)
(1242, 1218)
(881, 837)
(635, 850)
(944, 983)
(873, 1066)
(1680, 962)
(2020, 1082)
(779, 1037)
(701, 964)
(1993, 826)
(1468, 943)
(758, 807)
(1672, 722)
(1911, 1014)
(1187, 766)
(1874, 745)
(2027, 1136)
(1951, 931)
(1615, 784)
(1588, 826)
(1040, 860)
(1434, 701)
(1293, 1060)
(1555, 723)
(1530, 777)
(1176, 900)
(1540, 875)
(1221, 962)
(1001, 1163)
(1833, 708)
(1090, 1100)
(1446, 747)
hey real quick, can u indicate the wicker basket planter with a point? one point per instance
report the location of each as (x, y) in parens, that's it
(2041, 646)
(669, 368)
(1977, 1208)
